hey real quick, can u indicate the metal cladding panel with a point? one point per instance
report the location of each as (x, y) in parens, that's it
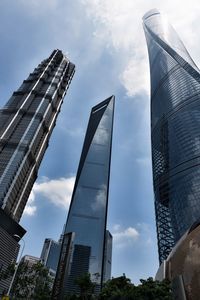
(88, 210)
(10, 226)
(10, 234)
(175, 123)
(9, 249)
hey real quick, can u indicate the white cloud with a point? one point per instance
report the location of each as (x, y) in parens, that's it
(30, 208)
(101, 136)
(147, 235)
(57, 191)
(100, 199)
(116, 227)
(124, 237)
(119, 25)
(134, 79)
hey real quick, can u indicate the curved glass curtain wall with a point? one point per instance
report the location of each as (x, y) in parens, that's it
(175, 131)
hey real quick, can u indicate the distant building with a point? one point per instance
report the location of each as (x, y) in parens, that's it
(83, 247)
(30, 260)
(26, 124)
(175, 133)
(50, 254)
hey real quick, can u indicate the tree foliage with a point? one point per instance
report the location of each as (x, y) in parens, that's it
(32, 282)
(85, 285)
(117, 288)
(121, 288)
(35, 283)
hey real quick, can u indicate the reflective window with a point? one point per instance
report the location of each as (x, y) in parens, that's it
(175, 124)
(87, 215)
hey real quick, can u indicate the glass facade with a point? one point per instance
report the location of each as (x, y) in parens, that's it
(107, 257)
(88, 210)
(26, 123)
(50, 254)
(175, 123)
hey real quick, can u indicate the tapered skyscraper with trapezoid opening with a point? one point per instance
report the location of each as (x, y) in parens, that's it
(175, 131)
(85, 239)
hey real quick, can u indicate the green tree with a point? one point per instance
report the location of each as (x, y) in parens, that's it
(86, 286)
(23, 282)
(121, 288)
(154, 290)
(43, 284)
(117, 288)
(32, 282)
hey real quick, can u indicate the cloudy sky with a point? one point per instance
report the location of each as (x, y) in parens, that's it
(105, 40)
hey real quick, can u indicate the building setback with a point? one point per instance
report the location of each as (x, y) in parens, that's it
(175, 123)
(85, 238)
(26, 123)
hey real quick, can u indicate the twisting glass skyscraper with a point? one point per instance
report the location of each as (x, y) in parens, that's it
(175, 131)
(86, 222)
(26, 123)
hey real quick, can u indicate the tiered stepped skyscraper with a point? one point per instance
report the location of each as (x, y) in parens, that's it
(26, 123)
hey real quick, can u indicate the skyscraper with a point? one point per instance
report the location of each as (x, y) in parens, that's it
(50, 254)
(175, 133)
(26, 123)
(84, 241)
